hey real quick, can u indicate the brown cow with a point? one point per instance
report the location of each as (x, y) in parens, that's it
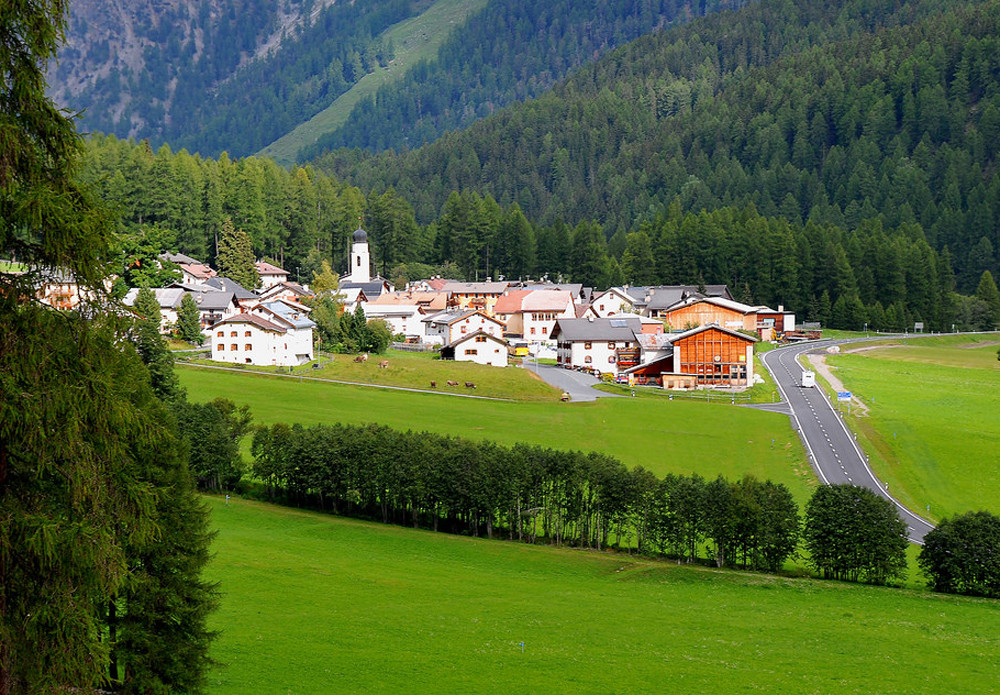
(384, 364)
(434, 384)
(452, 383)
(361, 358)
(469, 385)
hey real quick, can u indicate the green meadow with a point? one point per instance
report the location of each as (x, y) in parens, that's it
(932, 428)
(662, 436)
(318, 604)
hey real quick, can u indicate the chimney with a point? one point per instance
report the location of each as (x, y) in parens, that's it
(781, 307)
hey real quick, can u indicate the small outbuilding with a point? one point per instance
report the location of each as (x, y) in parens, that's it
(479, 347)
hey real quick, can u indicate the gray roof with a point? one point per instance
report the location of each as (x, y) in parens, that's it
(296, 317)
(229, 285)
(179, 258)
(213, 300)
(668, 295)
(168, 297)
(371, 289)
(614, 328)
(477, 287)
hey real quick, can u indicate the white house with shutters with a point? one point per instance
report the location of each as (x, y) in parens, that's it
(479, 347)
(448, 326)
(274, 333)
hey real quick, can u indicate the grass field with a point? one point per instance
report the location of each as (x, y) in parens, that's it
(933, 425)
(318, 604)
(419, 369)
(663, 436)
(414, 39)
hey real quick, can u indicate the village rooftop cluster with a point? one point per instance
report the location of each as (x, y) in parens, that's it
(676, 337)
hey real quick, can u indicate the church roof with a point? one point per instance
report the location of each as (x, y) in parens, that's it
(360, 235)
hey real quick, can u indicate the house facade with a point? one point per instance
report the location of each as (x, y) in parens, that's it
(602, 345)
(707, 356)
(447, 327)
(269, 334)
(479, 347)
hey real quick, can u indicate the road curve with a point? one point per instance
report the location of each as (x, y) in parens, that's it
(833, 450)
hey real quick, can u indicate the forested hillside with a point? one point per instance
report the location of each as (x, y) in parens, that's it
(843, 277)
(866, 115)
(217, 75)
(511, 51)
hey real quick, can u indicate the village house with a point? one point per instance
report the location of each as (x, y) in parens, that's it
(476, 296)
(192, 271)
(270, 275)
(287, 291)
(448, 326)
(667, 295)
(430, 302)
(402, 319)
(694, 311)
(532, 314)
(169, 299)
(241, 295)
(273, 333)
(602, 345)
(479, 347)
(706, 356)
(612, 302)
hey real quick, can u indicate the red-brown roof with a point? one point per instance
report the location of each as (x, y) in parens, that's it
(256, 320)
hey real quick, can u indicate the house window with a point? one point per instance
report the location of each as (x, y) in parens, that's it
(465, 329)
(232, 334)
(248, 346)
(472, 351)
(611, 346)
(545, 330)
(480, 338)
(532, 330)
(247, 360)
(220, 346)
(588, 359)
(220, 334)
(586, 346)
(234, 347)
(247, 334)
(611, 359)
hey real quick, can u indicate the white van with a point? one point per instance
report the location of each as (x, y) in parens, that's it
(808, 380)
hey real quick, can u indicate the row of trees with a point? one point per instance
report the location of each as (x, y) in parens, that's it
(586, 499)
(962, 555)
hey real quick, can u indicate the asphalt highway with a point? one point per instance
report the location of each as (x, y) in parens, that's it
(833, 451)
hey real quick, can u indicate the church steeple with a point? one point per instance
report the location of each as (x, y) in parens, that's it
(360, 270)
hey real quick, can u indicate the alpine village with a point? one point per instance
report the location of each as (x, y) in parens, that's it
(493, 346)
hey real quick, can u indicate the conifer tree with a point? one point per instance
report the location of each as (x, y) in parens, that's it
(236, 260)
(987, 292)
(189, 320)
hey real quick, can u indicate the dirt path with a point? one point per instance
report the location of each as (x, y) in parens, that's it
(818, 363)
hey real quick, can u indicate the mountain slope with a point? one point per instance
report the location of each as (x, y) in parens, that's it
(511, 51)
(870, 110)
(214, 75)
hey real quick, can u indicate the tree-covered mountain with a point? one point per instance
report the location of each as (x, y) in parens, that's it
(511, 51)
(867, 111)
(217, 75)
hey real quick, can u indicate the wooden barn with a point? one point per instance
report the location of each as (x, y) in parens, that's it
(702, 357)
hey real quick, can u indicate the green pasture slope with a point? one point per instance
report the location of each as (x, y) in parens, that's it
(415, 39)
(662, 436)
(318, 604)
(933, 425)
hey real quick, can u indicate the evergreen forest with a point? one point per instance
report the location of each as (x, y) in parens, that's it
(510, 52)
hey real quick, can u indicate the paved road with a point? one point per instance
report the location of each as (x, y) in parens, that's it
(832, 449)
(578, 385)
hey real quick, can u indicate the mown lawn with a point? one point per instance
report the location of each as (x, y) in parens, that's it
(417, 370)
(318, 604)
(933, 426)
(663, 436)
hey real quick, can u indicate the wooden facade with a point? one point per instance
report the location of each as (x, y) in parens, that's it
(705, 312)
(715, 357)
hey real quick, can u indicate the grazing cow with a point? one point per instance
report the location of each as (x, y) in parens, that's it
(434, 384)
(469, 385)
(361, 358)
(452, 383)
(384, 364)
